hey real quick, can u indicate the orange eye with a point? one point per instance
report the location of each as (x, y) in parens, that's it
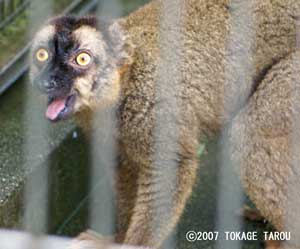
(83, 59)
(42, 55)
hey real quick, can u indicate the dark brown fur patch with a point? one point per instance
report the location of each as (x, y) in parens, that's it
(72, 23)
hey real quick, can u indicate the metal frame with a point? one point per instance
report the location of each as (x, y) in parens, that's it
(21, 240)
(14, 8)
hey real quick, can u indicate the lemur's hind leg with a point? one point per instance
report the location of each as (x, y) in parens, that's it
(263, 138)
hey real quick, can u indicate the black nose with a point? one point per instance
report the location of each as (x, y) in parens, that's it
(46, 86)
(50, 85)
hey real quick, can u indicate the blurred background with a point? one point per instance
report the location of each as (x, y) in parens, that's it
(67, 154)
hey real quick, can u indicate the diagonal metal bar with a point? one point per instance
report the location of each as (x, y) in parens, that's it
(15, 11)
(20, 240)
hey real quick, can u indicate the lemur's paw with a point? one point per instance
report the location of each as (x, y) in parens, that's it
(90, 240)
(250, 214)
(91, 235)
(82, 244)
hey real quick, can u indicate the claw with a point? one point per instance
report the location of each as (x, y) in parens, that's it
(250, 214)
(90, 240)
(94, 236)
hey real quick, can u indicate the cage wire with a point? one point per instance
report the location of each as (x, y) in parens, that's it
(36, 143)
(167, 113)
(238, 77)
(104, 150)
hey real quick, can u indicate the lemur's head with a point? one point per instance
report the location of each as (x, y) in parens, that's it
(77, 63)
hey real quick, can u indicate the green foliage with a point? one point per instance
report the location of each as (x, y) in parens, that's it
(201, 150)
(12, 38)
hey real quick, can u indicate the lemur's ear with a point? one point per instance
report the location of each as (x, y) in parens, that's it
(121, 45)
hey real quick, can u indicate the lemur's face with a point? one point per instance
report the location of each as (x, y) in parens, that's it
(76, 65)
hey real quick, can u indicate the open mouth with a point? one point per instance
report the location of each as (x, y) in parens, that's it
(60, 108)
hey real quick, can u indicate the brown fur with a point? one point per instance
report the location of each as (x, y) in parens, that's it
(262, 136)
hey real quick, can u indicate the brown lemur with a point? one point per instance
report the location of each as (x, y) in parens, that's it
(85, 66)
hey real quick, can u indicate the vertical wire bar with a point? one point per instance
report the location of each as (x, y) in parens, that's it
(104, 151)
(36, 143)
(102, 205)
(238, 77)
(11, 6)
(167, 111)
(2, 10)
(109, 9)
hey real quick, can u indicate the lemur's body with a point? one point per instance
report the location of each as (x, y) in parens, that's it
(130, 87)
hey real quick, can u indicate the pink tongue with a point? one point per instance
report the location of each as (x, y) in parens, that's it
(55, 108)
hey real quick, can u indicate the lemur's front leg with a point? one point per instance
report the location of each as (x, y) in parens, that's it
(156, 209)
(126, 186)
(160, 201)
